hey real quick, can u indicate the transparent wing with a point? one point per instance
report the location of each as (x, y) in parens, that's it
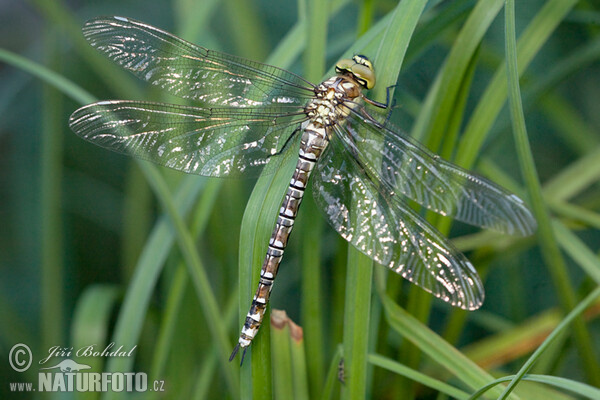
(219, 141)
(193, 72)
(404, 166)
(387, 230)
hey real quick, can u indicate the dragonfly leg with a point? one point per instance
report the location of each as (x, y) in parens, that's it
(385, 105)
(287, 142)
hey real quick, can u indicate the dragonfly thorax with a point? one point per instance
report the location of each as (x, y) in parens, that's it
(333, 100)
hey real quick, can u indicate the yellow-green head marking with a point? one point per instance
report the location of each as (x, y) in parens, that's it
(359, 68)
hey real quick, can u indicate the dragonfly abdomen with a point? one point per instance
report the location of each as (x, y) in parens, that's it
(314, 141)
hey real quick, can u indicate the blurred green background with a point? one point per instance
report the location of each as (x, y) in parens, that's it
(89, 255)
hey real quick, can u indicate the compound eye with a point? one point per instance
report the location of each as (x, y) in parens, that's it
(364, 75)
(344, 65)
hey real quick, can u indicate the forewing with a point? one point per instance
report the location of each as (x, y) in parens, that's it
(193, 72)
(387, 230)
(219, 141)
(405, 166)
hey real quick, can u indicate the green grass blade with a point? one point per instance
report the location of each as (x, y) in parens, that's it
(52, 263)
(437, 108)
(316, 39)
(550, 250)
(434, 346)
(583, 255)
(198, 274)
(570, 318)
(356, 323)
(533, 37)
(257, 225)
(52, 78)
(390, 53)
(311, 224)
(583, 215)
(136, 301)
(299, 364)
(392, 47)
(578, 388)
(575, 178)
(176, 293)
(114, 77)
(331, 379)
(91, 320)
(282, 355)
(417, 376)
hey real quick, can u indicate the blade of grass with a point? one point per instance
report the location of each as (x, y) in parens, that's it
(561, 383)
(388, 60)
(416, 376)
(46, 75)
(531, 40)
(564, 324)
(146, 285)
(575, 178)
(583, 255)
(197, 272)
(246, 29)
(550, 250)
(356, 323)
(257, 225)
(52, 264)
(576, 212)
(439, 104)
(392, 47)
(299, 365)
(91, 320)
(114, 77)
(282, 360)
(177, 289)
(316, 39)
(315, 30)
(433, 345)
(311, 225)
(332, 375)
(137, 218)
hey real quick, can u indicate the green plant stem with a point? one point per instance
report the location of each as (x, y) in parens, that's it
(198, 274)
(315, 25)
(356, 323)
(52, 263)
(548, 243)
(570, 318)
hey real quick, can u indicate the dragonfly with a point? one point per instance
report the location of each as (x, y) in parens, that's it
(364, 169)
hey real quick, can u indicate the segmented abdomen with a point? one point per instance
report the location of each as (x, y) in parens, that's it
(314, 140)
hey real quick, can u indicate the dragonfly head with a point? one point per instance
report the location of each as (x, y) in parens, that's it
(359, 68)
